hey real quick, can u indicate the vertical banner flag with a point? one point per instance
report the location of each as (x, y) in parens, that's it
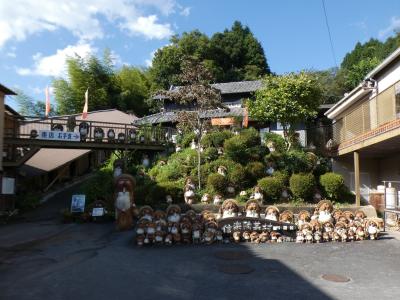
(85, 107)
(47, 111)
(245, 118)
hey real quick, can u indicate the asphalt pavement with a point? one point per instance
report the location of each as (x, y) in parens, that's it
(93, 261)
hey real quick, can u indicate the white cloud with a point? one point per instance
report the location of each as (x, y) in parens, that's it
(185, 11)
(54, 65)
(394, 26)
(149, 27)
(22, 18)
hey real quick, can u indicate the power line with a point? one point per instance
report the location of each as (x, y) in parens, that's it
(329, 33)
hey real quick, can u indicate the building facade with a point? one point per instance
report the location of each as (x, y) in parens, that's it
(366, 130)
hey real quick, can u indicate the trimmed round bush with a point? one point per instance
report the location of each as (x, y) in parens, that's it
(333, 185)
(296, 161)
(216, 183)
(238, 177)
(210, 154)
(282, 176)
(216, 138)
(278, 140)
(272, 188)
(255, 171)
(302, 186)
(240, 147)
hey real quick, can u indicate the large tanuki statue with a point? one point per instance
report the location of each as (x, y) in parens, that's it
(125, 207)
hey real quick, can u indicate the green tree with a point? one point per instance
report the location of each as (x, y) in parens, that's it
(288, 99)
(232, 55)
(125, 89)
(239, 54)
(195, 92)
(134, 89)
(27, 106)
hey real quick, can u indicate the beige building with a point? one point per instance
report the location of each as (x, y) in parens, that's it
(366, 129)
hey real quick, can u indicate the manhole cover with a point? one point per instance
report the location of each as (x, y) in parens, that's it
(236, 269)
(335, 278)
(231, 255)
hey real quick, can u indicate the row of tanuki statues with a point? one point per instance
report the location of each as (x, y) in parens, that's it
(233, 224)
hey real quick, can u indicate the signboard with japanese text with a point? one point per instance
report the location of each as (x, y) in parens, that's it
(78, 203)
(229, 225)
(59, 136)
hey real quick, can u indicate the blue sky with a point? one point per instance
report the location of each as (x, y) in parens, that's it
(36, 36)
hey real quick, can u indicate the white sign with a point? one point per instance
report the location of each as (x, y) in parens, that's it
(59, 136)
(98, 212)
(78, 203)
(7, 186)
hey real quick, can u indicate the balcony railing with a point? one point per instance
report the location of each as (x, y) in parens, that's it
(367, 116)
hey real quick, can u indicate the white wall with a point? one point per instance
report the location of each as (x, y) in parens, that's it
(389, 77)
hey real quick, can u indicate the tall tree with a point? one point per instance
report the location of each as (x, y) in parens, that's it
(232, 55)
(27, 106)
(124, 89)
(289, 99)
(195, 92)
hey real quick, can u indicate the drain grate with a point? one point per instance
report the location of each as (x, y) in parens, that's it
(235, 269)
(231, 255)
(335, 278)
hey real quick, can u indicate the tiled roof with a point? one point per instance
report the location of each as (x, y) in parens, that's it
(237, 87)
(166, 117)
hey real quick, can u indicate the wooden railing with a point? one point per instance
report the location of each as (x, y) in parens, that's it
(71, 130)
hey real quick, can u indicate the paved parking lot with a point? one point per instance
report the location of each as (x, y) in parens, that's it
(92, 261)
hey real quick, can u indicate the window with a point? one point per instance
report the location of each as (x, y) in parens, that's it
(397, 95)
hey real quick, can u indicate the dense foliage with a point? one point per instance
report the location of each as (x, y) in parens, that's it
(302, 186)
(232, 55)
(333, 185)
(289, 99)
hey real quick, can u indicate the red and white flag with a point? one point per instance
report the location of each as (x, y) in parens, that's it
(85, 107)
(47, 110)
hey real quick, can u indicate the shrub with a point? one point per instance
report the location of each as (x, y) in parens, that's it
(282, 176)
(216, 138)
(272, 188)
(277, 139)
(255, 171)
(302, 185)
(172, 171)
(238, 177)
(156, 193)
(296, 161)
(100, 185)
(186, 139)
(333, 185)
(244, 147)
(216, 183)
(229, 164)
(210, 154)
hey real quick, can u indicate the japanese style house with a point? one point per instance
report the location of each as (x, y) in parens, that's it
(366, 129)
